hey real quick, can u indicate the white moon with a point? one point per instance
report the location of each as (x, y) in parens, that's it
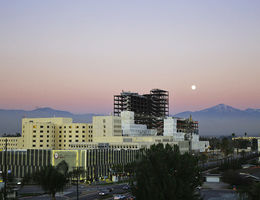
(193, 87)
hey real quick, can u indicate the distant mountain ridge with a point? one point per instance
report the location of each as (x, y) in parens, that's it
(217, 120)
(11, 120)
(224, 119)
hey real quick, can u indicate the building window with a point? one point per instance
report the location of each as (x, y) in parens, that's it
(59, 145)
(34, 135)
(70, 126)
(47, 140)
(60, 127)
(70, 140)
(47, 145)
(41, 135)
(64, 131)
(83, 127)
(70, 132)
(83, 131)
(76, 140)
(34, 131)
(59, 131)
(77, 131)
(77, 136)
(104, 131)
(34, 140)
(59, 136)
(33, 145)
(41, 126)
(77, 126)
(104, 126)
(83, 140)
(40, 145)
(104, 121)
(64, 126)
(48, 131)
(48, 127)
(41, 131)
(47, 135)
(83, 136)
(59, 140)
(70, 136)
(64, 140)
(41, 140)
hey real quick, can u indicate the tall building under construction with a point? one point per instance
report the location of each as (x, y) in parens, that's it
(149, 109)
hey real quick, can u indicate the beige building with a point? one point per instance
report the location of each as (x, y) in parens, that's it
(54, 133)
(12, 142)
(59, 133)
(107, 126)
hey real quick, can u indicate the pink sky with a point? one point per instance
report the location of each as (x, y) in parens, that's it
(75, 57)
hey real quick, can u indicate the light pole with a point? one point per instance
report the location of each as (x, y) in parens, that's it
(77, 172)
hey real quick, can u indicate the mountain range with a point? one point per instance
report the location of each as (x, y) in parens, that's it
(214, 121)
(225, 120)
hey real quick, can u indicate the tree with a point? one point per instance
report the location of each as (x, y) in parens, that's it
(162, 173)
(255, 191)
(226, 146)
(51, 180)
(245, 134)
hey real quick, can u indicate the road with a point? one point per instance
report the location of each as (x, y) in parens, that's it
(85, 192)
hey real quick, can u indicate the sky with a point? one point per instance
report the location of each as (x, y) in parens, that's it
(75, 55)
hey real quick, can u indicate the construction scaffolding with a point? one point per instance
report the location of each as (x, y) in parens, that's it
(149, 109)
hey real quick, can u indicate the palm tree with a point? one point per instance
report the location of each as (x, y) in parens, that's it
(245, 134)
(51, 180)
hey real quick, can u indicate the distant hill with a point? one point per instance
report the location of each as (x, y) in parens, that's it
(218, 120)
(11, 120)
(225, 120)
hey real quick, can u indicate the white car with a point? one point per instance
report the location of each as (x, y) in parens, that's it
(119, 196)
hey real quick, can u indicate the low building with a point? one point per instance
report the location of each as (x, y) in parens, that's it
(95, 162)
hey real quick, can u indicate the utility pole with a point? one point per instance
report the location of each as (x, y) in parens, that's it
(5, 171)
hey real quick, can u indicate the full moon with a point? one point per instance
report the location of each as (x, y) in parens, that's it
(193, 87)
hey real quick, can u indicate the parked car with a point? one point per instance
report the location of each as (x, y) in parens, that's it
(126, 187)
(119, 197)
(103, 193)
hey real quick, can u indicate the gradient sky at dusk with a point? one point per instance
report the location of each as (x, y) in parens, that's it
(75, 55)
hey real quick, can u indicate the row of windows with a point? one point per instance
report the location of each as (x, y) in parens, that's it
(34, 126)
(41, 131)
(71, 131)
(41, 145)
(90, 140)
(8, 140)
(9, 144)
(74, 126)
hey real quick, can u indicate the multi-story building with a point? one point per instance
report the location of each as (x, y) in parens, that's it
(150, 109)
(54, 133)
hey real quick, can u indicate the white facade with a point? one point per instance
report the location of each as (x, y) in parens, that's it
(170, 129)
(129, 128)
